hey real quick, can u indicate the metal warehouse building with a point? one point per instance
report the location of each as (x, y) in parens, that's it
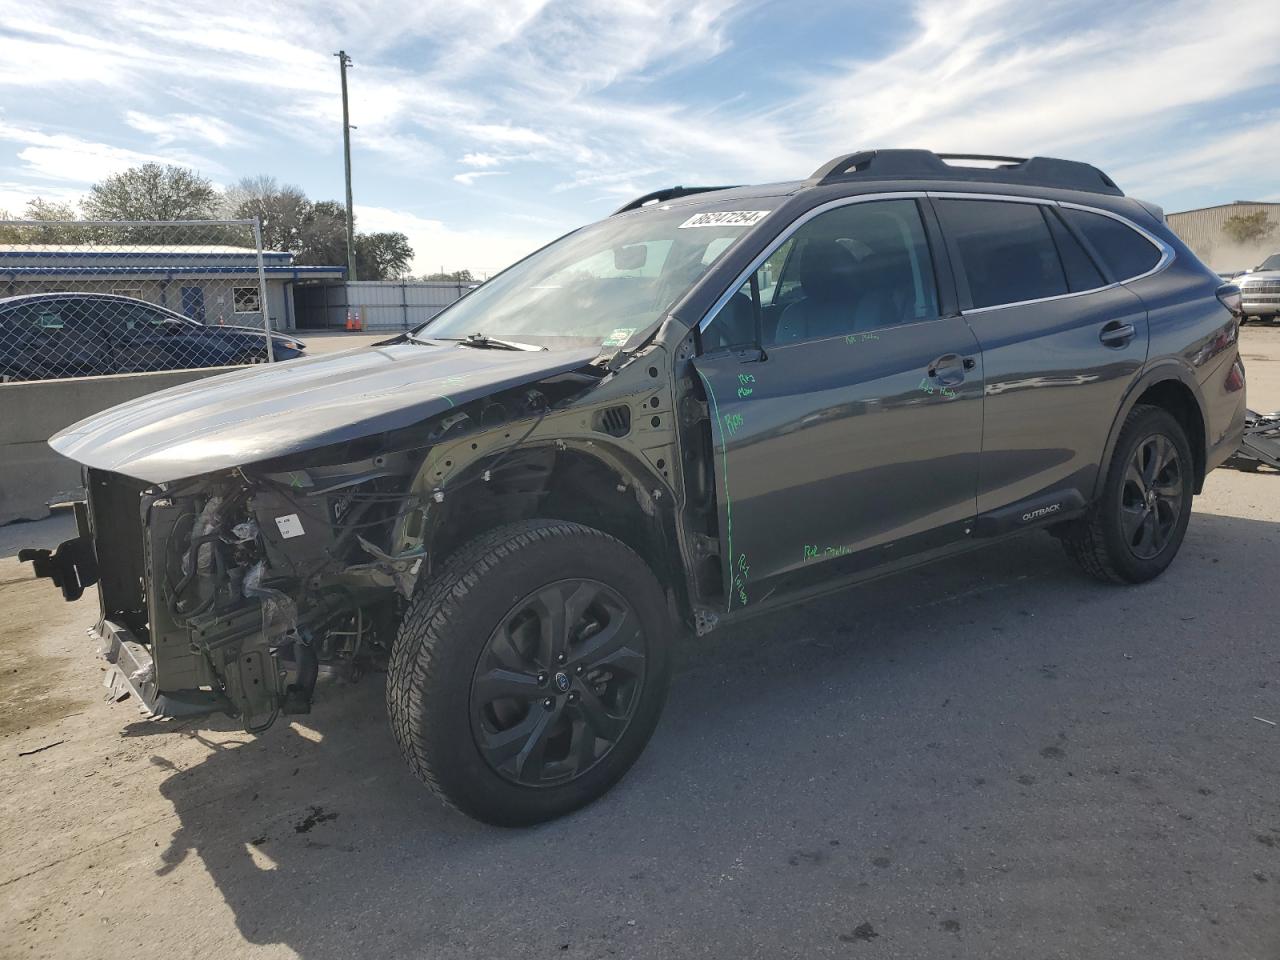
(377, 304)
(209, 284)
(1202, 231)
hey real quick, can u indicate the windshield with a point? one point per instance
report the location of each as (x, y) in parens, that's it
(1271, 263)
(604, 282)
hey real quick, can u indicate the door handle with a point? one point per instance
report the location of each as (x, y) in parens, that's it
(946, 360)
(1117, 333)
(952, 367)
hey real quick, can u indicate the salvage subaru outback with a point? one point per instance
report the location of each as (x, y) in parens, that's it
(714, 402)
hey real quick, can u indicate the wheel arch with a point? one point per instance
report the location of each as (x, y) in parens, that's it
(1172, 387)
(594, 483)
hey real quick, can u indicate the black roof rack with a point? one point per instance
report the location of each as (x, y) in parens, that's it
(927, 165)
(669, 193)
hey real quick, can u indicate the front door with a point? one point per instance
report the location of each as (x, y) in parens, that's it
(848, 434)
(193, 303)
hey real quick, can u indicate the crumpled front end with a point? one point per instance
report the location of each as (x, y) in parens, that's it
(233, 591)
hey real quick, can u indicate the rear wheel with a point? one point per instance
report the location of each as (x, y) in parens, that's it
(530, 672)
(1135, 529)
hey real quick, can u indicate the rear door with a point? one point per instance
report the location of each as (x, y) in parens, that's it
(1060, 345)
(849, 435)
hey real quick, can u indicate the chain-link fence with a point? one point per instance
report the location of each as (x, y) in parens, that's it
(91, 298)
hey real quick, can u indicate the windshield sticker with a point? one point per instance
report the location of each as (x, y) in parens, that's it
(618, 337)
(726, 218)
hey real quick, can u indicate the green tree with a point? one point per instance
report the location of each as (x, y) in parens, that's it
(322, 238)
(55, 215)
(457, 276)
(152, 192)
(1246, 228)
(382, 256)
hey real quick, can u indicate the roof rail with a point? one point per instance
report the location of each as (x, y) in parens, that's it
(668, 193)
(927, 165)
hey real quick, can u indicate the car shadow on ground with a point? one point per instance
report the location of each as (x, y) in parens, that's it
(980, 746)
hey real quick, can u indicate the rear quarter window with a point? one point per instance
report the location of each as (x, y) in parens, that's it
(1126, 252)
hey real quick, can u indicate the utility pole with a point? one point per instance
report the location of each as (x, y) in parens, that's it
(344, 63)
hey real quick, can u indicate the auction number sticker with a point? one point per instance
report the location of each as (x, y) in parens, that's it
(726, 218)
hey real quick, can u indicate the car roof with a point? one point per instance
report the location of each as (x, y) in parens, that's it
(85, 294)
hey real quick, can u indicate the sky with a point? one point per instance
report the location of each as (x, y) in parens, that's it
(485, 129)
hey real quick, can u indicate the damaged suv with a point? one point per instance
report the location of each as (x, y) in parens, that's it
(714, 402)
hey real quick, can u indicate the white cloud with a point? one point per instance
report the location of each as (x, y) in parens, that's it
(562, 91)
(60, 156)
(480, 160)
(438, 246)
(177, 127)
(505, 134)
(1227, 158)
(469, 178)
(14, 196)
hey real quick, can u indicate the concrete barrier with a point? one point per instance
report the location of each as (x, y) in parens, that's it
(32, 476)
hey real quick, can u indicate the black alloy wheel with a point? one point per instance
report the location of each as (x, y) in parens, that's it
(1136, 524)
(1151, 499)
(558, 682)
(530, 670)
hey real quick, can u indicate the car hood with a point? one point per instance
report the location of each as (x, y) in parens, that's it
(263, 412)
(276, 335)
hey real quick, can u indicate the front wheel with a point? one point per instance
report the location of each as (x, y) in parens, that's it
(1135, 529)
(528, 675)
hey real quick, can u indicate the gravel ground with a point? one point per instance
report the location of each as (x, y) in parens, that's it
(991, 757)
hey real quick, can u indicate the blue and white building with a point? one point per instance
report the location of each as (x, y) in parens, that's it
(210, 284)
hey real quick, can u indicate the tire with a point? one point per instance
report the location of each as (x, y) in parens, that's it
(1106, 542)
(481, 625)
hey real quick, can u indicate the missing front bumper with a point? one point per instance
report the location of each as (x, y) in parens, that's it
(132, 671)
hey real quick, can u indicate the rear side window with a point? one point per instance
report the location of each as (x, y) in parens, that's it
(1005, 250)
(1126, 252)
(1082, 274)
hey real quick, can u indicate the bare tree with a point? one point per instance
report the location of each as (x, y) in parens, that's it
(282, 211)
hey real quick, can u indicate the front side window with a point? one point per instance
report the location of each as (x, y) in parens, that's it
(606, 281)
(1126, 252)
(860, 267)
(1004, 249)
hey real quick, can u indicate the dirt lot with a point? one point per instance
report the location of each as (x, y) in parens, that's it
(993, 757)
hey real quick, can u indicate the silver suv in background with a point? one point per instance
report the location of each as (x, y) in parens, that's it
(1260, 290)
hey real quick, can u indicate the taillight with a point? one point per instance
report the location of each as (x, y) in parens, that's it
(1229, 294)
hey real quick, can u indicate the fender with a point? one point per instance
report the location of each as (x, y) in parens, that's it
(1165, 368)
